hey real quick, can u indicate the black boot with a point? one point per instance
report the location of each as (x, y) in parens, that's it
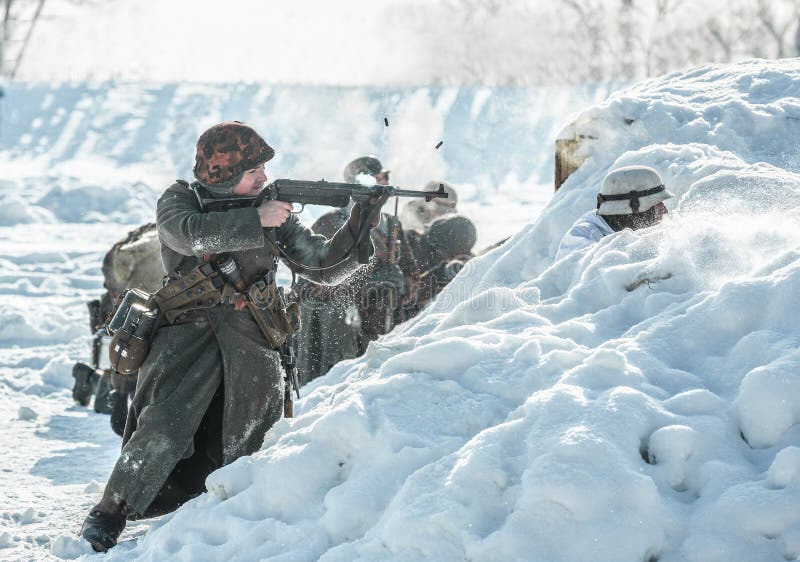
(85, 381)
(103, 528)
(119, 411)
(102, 401)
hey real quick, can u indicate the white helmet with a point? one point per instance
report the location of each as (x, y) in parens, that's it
(633, 189)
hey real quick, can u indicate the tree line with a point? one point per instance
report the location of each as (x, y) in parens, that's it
(530, 42)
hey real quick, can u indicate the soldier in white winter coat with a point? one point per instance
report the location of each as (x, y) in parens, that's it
(631, 197)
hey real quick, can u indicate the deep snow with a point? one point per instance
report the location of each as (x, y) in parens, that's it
(538, 410)
(82, 164)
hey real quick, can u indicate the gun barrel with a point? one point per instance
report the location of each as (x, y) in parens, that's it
(333, 194)
(428, 195)
(338, 194)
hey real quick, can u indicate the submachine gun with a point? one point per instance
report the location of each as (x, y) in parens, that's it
(322, 192)
(331, 194)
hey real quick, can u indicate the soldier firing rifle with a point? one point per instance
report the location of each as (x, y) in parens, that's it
(331, 194)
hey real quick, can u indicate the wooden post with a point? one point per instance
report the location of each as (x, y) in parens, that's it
(567, 159)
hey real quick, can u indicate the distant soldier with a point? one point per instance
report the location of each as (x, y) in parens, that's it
(89, 376)
(338, 322)
(441, 240)
(442, 252)
(391, 281)
(418, 215)
(133, 261)
(631, 197)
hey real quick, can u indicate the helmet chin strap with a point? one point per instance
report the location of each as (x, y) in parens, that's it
(633, 196)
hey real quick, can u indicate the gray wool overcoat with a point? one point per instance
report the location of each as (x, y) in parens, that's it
(210, 387)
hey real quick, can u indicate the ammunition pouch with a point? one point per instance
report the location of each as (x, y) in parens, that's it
(274, 317)
(139, 314)
(131, 341)
(201, 288)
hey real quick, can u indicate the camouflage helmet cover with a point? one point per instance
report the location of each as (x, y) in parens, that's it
(363, 165)
(225, 152)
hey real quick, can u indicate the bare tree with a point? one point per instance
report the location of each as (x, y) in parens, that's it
(574, 41)
(777, 27)
(591, 38)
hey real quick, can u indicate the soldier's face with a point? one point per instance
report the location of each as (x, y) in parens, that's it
(661, 210)
(252, 181)
(382, 178)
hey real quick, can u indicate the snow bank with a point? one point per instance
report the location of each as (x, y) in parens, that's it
(542, 411)
(48, 199)
(34, 323)
(126, 204)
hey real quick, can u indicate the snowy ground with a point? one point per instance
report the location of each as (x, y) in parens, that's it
(538, 411)
(83, 164)
(55, 455)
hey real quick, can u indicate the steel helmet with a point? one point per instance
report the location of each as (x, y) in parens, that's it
(369, 165)
(452, 196)
(633, 189)
(225, 152)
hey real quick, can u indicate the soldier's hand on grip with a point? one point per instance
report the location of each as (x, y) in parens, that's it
(274, 213)
(354, 222)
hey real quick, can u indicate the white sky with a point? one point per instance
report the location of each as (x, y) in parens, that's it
(352, 43)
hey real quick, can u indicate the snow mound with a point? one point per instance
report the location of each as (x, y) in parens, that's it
(16, 210)
(70, 547)
(33, 323)
(126, 204)
(6, 539)
(27, 414)
(634, 401)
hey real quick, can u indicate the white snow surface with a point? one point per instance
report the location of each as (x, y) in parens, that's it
(538, 410)
(82, 164)
(541, 411)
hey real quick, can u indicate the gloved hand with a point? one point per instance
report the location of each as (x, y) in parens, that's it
(354, 222)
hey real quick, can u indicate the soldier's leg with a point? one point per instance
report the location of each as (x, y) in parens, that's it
(190, 473)
(177, 383)
(119, 411)
(124, 386)
(253, 384)
(187, 480)
(102, 403)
